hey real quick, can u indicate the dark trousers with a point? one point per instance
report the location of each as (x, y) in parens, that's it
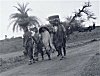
(29, 51)
(60, 48)
(64, 47)
(48, 53)
(39, 50)
(64, 50)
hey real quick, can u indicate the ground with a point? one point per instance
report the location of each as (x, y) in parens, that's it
(76, 63)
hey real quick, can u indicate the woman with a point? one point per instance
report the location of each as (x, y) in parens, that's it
(44, 31)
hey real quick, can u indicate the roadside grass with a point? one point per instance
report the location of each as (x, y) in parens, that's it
(78, 36)
(11, 45)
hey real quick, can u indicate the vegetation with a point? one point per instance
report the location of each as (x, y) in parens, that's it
(21, 19)
(11, 45)
(75, 22)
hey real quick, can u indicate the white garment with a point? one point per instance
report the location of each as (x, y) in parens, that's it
(47, 40)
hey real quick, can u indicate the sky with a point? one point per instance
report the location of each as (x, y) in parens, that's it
(42, 9)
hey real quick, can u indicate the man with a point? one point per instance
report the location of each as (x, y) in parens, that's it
(59, 35)
(28, 44)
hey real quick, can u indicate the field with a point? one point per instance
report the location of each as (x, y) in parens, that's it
(78, 36)
(11, 45)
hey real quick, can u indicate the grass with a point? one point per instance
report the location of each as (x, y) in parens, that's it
(78, 36)
(11, 45)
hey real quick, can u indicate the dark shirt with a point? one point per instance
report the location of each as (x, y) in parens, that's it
(59, 36)
(38, 41)
(27, 40)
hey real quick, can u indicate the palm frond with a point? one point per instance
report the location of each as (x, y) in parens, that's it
(16, 15)
(11, 23)
(16, 23)
(25, 6)
(34, 20)
(21, 7)
(20, 10)
(27, 10)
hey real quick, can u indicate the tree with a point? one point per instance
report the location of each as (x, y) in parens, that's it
(21, 19)
(74, 22)
(75, 25)
(84, 10)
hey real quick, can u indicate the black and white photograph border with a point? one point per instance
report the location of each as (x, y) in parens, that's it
(49, 37)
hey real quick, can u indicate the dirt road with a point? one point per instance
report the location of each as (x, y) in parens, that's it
(70, 66)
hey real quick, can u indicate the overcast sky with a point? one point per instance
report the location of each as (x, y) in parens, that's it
(42, 9)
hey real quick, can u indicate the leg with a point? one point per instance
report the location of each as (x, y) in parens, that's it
(64, 50)
(30, 54)
(59, 51)
(48, 55)
(47, 48)
(25, 51)
(64, 46)
(36, 55)
(42, 53)
(36, 52)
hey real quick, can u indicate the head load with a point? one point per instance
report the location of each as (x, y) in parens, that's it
(54, 19)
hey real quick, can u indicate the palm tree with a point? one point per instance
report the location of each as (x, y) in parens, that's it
(21, 19)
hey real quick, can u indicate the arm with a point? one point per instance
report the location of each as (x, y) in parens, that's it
(23, 41)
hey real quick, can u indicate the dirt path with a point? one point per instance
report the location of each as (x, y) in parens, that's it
(70, 66)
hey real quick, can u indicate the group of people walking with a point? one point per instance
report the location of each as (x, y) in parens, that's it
(45, 40)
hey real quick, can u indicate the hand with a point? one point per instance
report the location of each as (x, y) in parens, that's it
(24, 45)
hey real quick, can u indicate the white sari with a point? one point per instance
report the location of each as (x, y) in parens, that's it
(47, 40)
